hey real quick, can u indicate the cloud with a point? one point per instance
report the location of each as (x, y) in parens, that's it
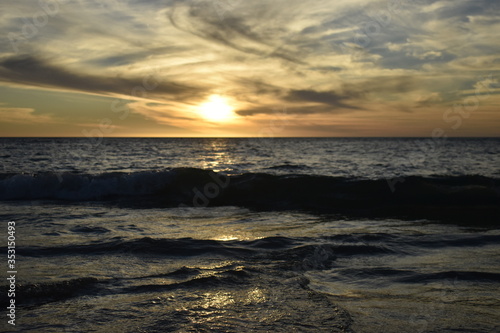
(326, 69)
(23, 116)
(349, 98)
(428, 100)
(385, 84)
(330, 98)
(463, 9)
(130, 58)
(161, 113)
(32, 71)
(290, 110)
(234, 30)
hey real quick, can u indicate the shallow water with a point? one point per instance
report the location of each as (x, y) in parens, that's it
(92, 267)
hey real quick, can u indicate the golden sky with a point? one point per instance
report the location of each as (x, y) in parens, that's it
(234, 68)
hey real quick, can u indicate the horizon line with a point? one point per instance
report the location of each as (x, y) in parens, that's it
(250, 137)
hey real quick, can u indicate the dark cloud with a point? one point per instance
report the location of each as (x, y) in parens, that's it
(309, 101)
(133, 57)
(250, 88)
(233, 31)
(383, 85)
(355, 92)
(299, 110)
(330, 98)
(326, 69)
(33, 71)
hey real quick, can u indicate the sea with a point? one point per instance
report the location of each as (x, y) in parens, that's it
(250, 234)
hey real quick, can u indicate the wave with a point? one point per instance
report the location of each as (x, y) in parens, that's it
(162, 246)
(387, 276)
(281, 248)
(28, 294)
(289, 167)
(211, 280)
(201, 188)
(77, 187)
(454, 275)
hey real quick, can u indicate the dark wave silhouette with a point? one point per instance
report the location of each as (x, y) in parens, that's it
(453, 198)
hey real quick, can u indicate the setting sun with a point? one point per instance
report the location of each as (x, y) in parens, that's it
(216, 109)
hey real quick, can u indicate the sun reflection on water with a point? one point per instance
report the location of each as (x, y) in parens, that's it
(225, 238)
(217, 300)
(217, 156)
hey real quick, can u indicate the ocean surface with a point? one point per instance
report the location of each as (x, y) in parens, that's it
(252, 235)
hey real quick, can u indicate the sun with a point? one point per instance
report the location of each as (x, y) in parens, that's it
(217, 109)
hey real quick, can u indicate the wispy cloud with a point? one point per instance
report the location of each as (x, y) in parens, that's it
(24, 115)
(237, 29)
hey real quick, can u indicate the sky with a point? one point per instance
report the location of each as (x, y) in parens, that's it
(234, 68)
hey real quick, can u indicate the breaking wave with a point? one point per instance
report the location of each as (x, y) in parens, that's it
(200, 188)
